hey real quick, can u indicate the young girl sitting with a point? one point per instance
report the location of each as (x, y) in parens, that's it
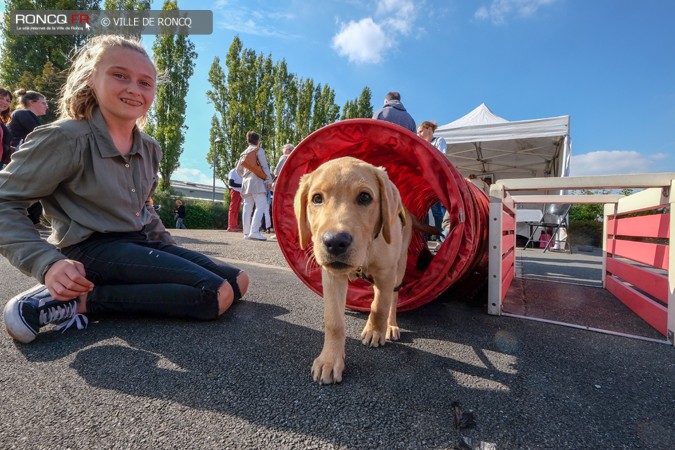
(108, 251)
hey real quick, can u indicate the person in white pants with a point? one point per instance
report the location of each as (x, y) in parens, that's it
(254, 189)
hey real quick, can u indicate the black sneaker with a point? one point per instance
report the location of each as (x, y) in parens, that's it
(30, 310)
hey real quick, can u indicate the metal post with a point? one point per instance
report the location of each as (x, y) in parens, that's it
(217, 141)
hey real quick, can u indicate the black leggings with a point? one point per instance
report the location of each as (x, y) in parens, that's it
(138, 276)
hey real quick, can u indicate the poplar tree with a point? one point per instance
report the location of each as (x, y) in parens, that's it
(325, 110)
(174, 57)
(125, 5)
(303, 113)
(253, 93)
(349, 110)
(219, 97)
(244, 100)
(359, 107)
(285, 104)
(364, 103)
(264, 105)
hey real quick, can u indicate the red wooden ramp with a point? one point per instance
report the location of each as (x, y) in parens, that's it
(423, 176)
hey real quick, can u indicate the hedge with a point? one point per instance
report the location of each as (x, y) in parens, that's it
(199, 214)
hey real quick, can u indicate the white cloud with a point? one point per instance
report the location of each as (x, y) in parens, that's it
(254, 21)
(367, 40)
(610, 162)
(361, 42)
(195, 176)
(500, 10)
(399, 15)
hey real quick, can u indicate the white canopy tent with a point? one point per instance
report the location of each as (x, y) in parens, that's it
(487, 145)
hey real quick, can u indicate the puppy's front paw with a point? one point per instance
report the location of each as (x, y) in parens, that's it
(372, 337)
(328, 367)
(393, 333)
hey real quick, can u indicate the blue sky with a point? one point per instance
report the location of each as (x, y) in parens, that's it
(609, 64)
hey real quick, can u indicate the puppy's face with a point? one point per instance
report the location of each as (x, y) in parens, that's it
(343, 205)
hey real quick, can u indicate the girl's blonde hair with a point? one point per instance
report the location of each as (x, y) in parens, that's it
(78, 99)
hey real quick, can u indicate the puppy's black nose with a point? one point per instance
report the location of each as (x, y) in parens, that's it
(337, 243)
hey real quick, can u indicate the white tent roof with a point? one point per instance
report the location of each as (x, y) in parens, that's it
(483, 143)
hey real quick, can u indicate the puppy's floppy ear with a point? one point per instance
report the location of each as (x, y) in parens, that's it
(300, 208)
(391, 205)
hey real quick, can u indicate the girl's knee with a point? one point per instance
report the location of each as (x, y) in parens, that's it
(227, 293)
(242, 282)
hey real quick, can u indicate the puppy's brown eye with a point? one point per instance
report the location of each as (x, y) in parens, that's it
(317, 199)
(364, 199)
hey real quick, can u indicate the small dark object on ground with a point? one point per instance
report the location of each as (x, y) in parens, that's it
(464, 443)
(462, 420)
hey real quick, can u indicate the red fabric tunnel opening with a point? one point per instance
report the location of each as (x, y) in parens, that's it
(423, 176)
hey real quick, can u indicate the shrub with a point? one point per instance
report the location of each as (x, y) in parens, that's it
(200, 214)
(585, 232)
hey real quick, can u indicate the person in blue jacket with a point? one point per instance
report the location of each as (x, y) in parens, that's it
(393, 111)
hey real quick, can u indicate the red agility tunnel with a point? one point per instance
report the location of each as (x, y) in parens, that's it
(423, 176)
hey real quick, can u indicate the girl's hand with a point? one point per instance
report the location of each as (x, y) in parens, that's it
(66, 280)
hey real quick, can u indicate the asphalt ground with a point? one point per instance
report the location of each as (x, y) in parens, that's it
(243, 381)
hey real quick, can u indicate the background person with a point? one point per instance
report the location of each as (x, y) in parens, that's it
(180, 215)
(33, 105)
(5, 135)
(393, 111)
(266, 223)
(480, 183)
(286, 150)
(234, 181)
(111, 256)
(426, 131)
(254, 189)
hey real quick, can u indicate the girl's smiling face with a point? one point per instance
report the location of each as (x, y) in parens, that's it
(124, 84)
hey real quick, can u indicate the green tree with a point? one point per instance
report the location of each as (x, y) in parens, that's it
(254, 93)
(218, 95)
(243, 97)
(285, 103)
(324, 111)
(359, 107)
(583, 211)
(264, 104)
(126, 5)
(303, 113)
(349, 110)
(364, 105)
(174, 57)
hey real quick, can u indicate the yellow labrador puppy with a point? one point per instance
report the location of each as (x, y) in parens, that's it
(358, 226)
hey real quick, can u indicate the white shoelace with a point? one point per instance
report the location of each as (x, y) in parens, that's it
(80, 320)
(60, 314)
